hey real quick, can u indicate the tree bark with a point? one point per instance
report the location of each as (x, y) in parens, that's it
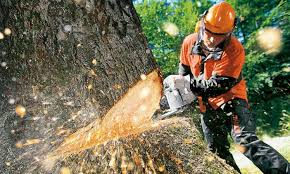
(68, 63)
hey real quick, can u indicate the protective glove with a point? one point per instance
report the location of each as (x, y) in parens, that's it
(214, 86)
(195, 84)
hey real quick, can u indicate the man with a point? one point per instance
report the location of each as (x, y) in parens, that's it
(214, 59)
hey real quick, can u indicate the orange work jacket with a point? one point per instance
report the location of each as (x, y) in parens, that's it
(230, 64)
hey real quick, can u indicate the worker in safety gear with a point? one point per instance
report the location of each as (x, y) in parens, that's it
(214, 58)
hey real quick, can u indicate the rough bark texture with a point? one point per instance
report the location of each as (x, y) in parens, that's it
(68, 62)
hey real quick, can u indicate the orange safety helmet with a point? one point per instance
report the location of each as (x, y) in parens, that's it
(220, 18)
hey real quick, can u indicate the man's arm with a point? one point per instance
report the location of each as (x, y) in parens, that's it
(214, 86)
(184, 63)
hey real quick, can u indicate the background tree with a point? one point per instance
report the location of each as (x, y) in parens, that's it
(166, 24)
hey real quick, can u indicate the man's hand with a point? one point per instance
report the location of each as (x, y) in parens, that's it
(197, 84)
(173, 81)
(214, 86)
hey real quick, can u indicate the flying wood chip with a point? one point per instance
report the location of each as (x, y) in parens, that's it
(20, 111)
(65, 170)
(130, 115)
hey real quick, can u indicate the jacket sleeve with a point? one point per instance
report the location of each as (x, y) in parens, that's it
(214, 86)
(184, 57)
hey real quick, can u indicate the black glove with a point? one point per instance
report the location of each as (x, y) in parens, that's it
(214, 86)
(195, 85)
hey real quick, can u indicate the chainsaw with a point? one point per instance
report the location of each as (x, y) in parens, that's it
(177, 95)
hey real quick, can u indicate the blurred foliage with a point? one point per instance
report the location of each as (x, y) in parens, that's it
(154, 13)
(267, 75)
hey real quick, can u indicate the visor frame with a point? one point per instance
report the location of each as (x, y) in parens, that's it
(219, 34)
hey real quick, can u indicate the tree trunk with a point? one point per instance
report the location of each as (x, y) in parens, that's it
(63, 67)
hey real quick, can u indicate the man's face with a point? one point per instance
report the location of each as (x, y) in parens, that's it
(212, 40)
